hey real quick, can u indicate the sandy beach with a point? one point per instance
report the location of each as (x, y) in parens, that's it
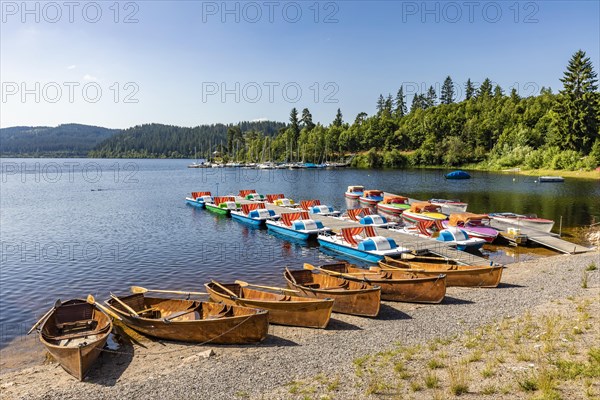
(144, 368)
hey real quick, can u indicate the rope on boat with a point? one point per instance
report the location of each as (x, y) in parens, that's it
(176, 350)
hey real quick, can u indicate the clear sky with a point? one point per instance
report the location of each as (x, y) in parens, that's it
(191, 62)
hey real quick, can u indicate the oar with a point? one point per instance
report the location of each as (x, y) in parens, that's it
(91, 300)
(342, 274)
(139, 289)
(291, 275)
(409, 256)
(131, 310)
(245, 284)
(231, 294)
(56, 304)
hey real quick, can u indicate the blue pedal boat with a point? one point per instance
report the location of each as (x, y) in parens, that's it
(297, 225)
(254, 214)
(199, 199)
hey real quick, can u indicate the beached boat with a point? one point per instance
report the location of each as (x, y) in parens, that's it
(192, 320)
(423, 211)
(362, 243)
(199, 199)
(315, 207)
(395, 285)
(457, 175)
(354, 192)
(456, 275)
(356, 298)
(254, 214)
(297, 225)
(223, 205)
(527, 221)
(476, 225)
(284, 309)
(371, 197)
(393, 205)
(450, 206)
(74, 333)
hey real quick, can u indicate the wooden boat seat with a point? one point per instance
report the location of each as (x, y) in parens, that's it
(311, 285)
(80, 334)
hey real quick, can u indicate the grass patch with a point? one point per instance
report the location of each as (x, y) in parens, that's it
(435, 364)
(415, 386)
(489, 390)
(591, 267)
(459, 379)
(584, 280)
(431, 381)
(488, 371)
(475, 356)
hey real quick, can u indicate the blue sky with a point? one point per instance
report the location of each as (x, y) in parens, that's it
(192, 62)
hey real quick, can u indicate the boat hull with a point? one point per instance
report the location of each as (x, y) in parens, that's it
(283, 310)
(539, 224)
(247, 220)
(402, 286)
(240, 325)
(218, 210)
(456, 275)
(194, 203)
(391, 210)
(354, 298)
(352, 196)
(76, 355)
(351, 252)
(414, 218)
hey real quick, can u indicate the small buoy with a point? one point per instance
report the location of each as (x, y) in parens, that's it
(514, 179)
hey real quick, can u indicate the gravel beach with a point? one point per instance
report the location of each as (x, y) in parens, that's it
(157, 370)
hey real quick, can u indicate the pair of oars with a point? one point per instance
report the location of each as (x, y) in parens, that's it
(342, 274)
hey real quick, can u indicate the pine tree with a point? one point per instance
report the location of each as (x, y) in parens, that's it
(294, 124)
(388, 104)
(498, 92)
(447, 96)
(485, 90)
(514, 96)
(400, 104)
(469, 90)
(307, 119)
(417, 102)
(431, 97)
(360, 118)
(579, 104)
(338, 121)
(380, 104)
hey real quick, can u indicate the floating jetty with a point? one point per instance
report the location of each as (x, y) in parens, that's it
(416, 244)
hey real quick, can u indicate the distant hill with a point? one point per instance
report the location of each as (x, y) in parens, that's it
(67, 140)
(169, 141)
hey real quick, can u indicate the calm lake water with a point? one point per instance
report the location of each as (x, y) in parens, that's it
(71, 227)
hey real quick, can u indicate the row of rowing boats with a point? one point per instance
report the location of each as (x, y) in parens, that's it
(74, 332)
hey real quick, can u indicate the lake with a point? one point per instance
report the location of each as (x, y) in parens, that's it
(71, 227)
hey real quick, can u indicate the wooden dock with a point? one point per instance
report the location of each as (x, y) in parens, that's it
(416, 244)
(551, 240)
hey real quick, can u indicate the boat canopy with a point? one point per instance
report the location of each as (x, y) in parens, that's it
(246, 208)
(395, 200)
(223, 199)
(288, 218)
(373, 193)
(272, 197)
(355, 213)
(307, 204)
(195, 195)
(350, 234)
(244, 193)
(463, 218)
(423, 206)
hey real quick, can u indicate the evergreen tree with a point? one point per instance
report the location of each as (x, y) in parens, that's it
(498, 92)
(400, 104)
(338, 121)
(232, 133)
(307, 119)
(360, 118)
(485, 90)
(514, 96)
(389, 104)
(579, 104)
(417, 102)
(447, 96)
(431, 97)
(294, 125)
(469, 90)
(380, 104)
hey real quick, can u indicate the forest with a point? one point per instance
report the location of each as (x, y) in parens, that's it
(489, 128)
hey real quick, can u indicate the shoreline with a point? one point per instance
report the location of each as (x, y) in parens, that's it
(153, 369)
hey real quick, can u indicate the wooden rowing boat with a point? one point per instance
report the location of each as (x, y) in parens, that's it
(456, 275)
(74, 334)
(192, 320)
(283, 309)
(397, 285)
(356, 298)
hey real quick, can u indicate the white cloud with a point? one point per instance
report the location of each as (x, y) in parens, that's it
(260, 119)
(88, 77)
(72, 66)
